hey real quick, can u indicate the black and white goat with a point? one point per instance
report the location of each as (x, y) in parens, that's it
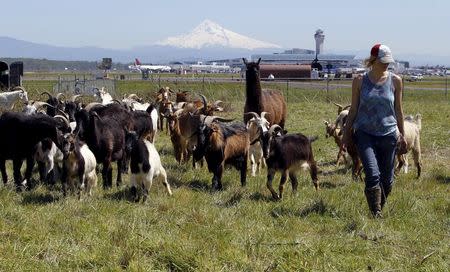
(287, 153)
(145, 164)
(20, 135)
(49, 158)
(79, 165)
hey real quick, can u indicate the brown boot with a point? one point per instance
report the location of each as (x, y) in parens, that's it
(373, 197)
(385, 191)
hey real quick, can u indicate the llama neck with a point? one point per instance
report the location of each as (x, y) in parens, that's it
(253, 90)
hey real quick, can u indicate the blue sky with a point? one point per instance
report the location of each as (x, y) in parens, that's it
(408, 27)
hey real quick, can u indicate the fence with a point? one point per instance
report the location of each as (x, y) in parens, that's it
(233, 88)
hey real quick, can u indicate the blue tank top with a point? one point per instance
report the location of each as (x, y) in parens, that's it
(376, 113)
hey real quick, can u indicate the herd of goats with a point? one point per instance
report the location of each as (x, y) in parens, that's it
(67, 139)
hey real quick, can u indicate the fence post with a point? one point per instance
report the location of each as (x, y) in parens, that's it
(159, 81)
(328, 87)
(203, 84)
(446, 85)
(287, 90)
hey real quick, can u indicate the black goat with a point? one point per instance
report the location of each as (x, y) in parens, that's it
(105, 136)
(287, 153)
(20, 135)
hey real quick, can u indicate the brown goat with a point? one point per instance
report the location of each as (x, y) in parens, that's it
(258, 100)
(223, 144)
(334, 132)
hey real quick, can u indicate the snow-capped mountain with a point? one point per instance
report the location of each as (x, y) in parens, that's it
(210, 34)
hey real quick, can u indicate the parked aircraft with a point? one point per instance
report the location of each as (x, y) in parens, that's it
(148, 67)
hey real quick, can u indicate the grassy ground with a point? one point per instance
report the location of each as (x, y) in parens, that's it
(242, 229)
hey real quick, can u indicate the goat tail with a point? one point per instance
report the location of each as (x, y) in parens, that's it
(418, 120)
(313, 138)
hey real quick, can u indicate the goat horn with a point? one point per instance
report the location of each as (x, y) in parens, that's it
(252, 113)
(39, 104)
(339, 107)
(178, 112)
(18, 88)
(47, 93)
(75, 97)
(263, 114)
(58, 96)
(91, 105)
(217, 102)
(347, 107)
(64, 119)
(134, 96)
(205, 103)
(274, 129)
(209, 119)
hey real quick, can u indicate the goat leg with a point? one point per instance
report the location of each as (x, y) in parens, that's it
(17, 165)
(282, 182)
(217, 178)
(29, 170)
(64, 180)
(313, 173)
(270, 176)
(244, 171)
(107, 183)
(294, 183)
(3, 170)
(120, 164)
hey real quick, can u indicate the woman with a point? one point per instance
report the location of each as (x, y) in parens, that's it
(376, 118)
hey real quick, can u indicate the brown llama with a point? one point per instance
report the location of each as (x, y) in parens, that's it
(258, 100)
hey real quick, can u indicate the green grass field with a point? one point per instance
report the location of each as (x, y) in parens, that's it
(242, 229)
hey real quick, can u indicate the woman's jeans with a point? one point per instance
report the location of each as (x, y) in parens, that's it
(377, 154)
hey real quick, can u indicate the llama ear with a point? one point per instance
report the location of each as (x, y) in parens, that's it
(244, 60)
(259, 60)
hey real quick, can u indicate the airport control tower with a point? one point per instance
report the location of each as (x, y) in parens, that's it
(319, 37)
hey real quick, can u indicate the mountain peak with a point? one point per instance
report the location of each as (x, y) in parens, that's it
(211, 34)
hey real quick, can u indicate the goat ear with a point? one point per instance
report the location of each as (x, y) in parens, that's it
(214, 127)
(284, 132)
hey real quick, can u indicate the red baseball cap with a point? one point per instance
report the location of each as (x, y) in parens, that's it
(382, 52)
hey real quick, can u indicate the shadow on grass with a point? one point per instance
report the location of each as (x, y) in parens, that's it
(33, 198)
(443, 179)
(340, 171)
(198, 185)
(233, 201)
(257, 196)
(318, 207)
(119, 195)
(329, 163)
(330, 185)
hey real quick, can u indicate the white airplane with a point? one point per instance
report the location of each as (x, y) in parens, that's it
(145, 67)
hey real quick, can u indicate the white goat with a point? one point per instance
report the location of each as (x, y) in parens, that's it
(412, 127)
(256, 127)
(35, 107)
(8, 99)
(145, 164)
(104, 96)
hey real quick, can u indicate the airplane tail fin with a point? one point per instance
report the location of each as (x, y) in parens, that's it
(137, 62)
